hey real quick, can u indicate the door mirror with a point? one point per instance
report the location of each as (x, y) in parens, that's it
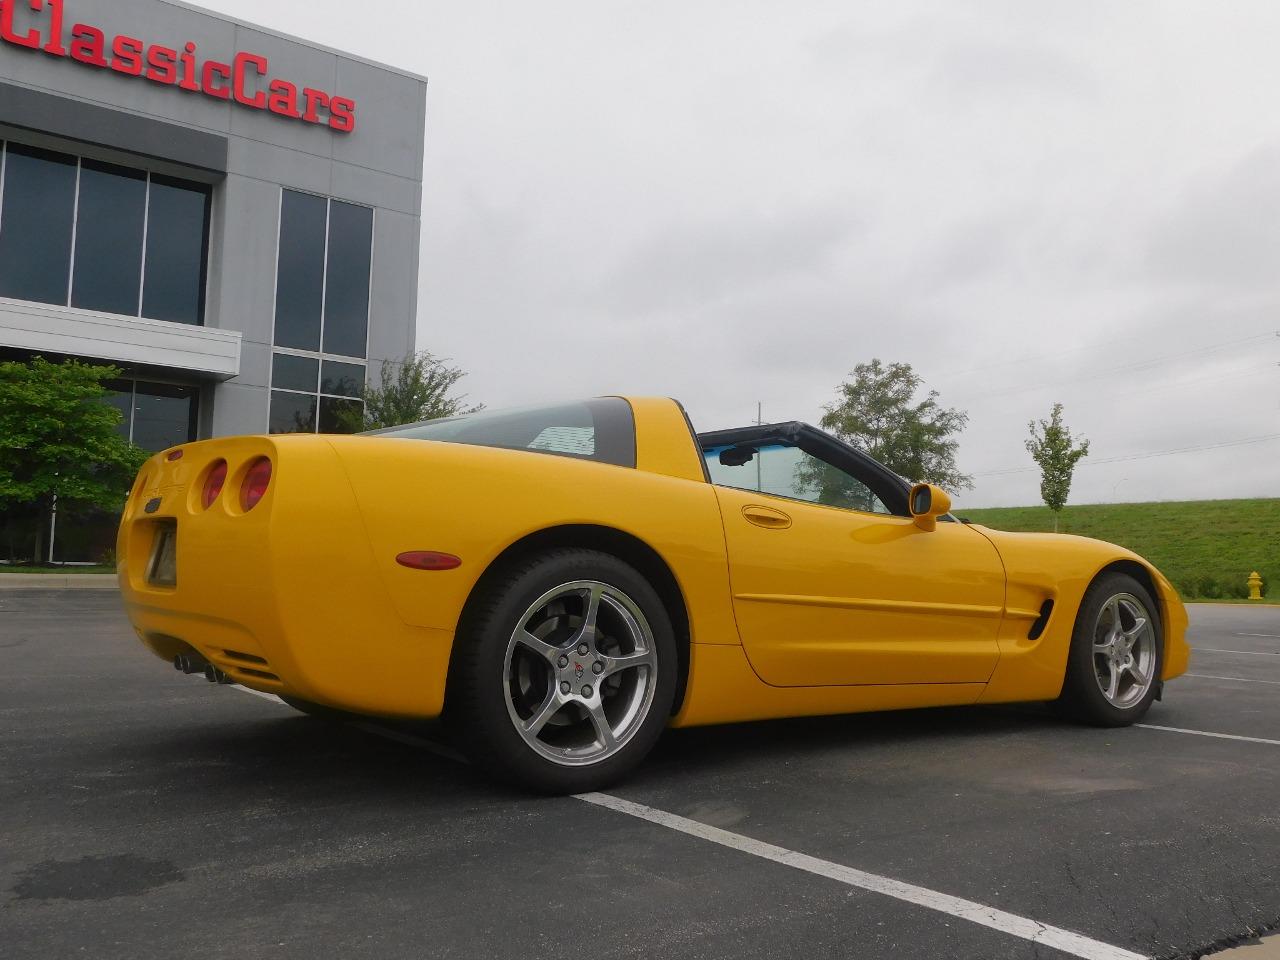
(927, 504)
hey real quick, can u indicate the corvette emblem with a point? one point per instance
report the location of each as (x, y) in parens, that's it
(577, 670)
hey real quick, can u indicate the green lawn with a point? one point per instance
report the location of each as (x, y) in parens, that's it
(6, 568)
(1206, 547)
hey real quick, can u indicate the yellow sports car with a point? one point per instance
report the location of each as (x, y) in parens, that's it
(563, 582)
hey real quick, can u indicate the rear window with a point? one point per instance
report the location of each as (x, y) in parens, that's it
(602, 430)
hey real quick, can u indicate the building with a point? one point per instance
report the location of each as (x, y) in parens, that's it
(229, 214)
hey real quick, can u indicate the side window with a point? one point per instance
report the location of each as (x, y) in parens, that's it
(787, 471)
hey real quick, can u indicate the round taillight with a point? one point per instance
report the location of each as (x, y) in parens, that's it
(213, 483)
(255, 483)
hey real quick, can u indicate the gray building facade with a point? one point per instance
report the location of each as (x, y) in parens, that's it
(229, 214)
(214, 207)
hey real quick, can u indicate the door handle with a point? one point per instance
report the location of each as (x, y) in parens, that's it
(766, 517)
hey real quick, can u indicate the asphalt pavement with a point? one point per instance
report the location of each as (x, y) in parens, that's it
(148, 814)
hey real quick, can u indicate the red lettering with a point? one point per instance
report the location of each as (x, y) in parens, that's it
(188, 58)
(128, 56)
(223, 70)
(314, 99)
(54, 45)
(29, 39)
(163, 63)
(88, 45)
(284, 99)
(243, 61)
(342, 114)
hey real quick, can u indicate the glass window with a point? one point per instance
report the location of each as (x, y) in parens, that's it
(294, 373)
(343, 379)
(292, 412)
(340, 416)
(36, 223)
(164, 415)
(109, 225)
(346, 292)
(300, 271)
(122, 400)
(177, 250)
(602, 429)
(787, 471)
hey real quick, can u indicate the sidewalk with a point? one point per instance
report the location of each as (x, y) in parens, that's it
(58, 581)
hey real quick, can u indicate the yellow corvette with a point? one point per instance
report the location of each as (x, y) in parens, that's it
(562, 582)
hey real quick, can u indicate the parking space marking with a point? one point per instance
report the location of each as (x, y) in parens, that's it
(1064, 940)
(1206, 676)
(257, 693)
(1269, 636)
(1207, 733)
(1248, 653)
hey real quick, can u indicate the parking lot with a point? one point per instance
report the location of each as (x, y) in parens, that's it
(148, 814)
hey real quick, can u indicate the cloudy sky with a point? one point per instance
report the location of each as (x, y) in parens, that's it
(736, 203)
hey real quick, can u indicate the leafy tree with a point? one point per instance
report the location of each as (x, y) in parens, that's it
(420, 387)
(58, 439)
(1053, 448)
(876, 409)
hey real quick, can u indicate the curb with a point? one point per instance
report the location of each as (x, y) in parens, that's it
(59, 581)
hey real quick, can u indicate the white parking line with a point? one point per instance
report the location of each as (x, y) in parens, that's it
(1010, 923)
(257, 693)
(1251, 653)
(1269, 636)
(1206, 676)
(1206, 733)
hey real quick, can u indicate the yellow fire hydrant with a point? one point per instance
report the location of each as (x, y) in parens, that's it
(1255, 586)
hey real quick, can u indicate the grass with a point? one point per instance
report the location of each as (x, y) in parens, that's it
(1206, 547)
(6, 568)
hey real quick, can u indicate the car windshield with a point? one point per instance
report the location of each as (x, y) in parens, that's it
(602, 430)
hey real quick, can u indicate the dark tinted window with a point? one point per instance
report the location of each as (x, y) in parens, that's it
(164, 415)
(109, 224)
(346, 294)
(300, 277)
(602, 429)
(122, 400)
(177, 251)
(344, 379)
(292, 413)
(340, 416)
(35, 224)
(294, 373)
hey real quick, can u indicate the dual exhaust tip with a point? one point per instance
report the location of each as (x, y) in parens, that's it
(194, 663)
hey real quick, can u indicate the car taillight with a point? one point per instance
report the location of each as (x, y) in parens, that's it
(213, 483)
(255, 483)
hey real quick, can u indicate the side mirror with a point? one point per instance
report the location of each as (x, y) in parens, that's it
(927, 503)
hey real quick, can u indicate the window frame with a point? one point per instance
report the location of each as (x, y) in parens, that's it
(137, 165)
(892, 489)
(319, 355)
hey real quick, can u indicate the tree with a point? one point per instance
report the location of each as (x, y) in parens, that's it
(1053, 448)
(58, 439)
(419, 388)
(876, 410)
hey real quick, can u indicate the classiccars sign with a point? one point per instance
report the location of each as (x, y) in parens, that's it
(45, 28)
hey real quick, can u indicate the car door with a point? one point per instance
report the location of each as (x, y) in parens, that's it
(830, 587)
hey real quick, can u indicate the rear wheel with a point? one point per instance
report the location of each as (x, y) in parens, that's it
(564, 678)
(1113, 669)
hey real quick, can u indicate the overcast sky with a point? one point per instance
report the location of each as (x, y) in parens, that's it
(728, 203)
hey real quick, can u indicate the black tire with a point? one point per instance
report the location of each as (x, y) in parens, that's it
(319, 711)
(1083, 698)
(477, 710)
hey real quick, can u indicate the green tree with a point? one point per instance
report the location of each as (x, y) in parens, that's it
(876, 409)
(1055, 450)
(420, 387)
(58, 439)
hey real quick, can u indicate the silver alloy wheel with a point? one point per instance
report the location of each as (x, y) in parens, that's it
(579, 672)
(1124, 650)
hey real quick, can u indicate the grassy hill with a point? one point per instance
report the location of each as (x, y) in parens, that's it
(1206, 547)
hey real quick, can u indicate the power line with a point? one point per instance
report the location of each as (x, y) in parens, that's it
(1140, 456)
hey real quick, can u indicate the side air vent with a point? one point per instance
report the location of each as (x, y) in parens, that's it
(1038, 625)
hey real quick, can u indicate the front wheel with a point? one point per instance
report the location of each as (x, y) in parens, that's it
(1116, 657)
(564, 678)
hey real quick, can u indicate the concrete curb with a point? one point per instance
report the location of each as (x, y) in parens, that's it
(58, 581)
